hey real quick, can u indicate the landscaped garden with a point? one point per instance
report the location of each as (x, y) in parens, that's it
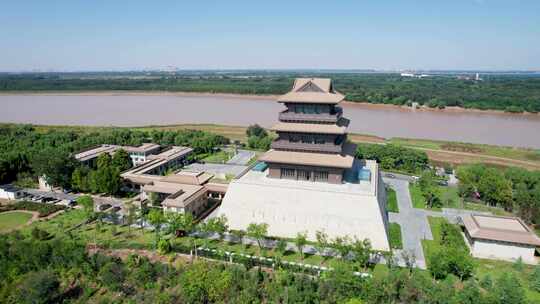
(13, 220)
(394, 231)
(391, 200)
(219, 157)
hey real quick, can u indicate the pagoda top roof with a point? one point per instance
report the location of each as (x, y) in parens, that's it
(312, 90)
(310, 128)
(344, 160)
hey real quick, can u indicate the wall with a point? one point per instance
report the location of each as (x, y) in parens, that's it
(335, 175)
(502, 251)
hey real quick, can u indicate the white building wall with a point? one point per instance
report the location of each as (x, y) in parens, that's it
(502, 251)
(9, 195)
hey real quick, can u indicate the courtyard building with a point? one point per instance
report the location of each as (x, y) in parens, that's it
(310, 180)
(500, 238)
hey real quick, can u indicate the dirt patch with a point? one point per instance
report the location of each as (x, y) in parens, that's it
(460, 147)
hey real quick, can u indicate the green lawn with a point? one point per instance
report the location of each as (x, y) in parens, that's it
(13, 220)
(392, 204)
(395, 236)
(483, 267)
(417, 198)
(219, 157)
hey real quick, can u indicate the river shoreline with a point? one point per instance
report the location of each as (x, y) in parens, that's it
(367, 105)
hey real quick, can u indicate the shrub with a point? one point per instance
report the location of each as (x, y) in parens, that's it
(42, 209)
(39, 234)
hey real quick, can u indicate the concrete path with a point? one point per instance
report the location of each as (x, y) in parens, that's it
(413, 222)
(241, 158)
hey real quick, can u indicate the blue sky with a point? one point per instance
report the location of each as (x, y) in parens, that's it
(384, 34)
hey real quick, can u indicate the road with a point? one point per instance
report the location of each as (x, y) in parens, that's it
(73, 196)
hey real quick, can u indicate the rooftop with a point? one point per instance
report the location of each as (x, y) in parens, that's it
(95, 152)
(180, 195)
(344, 160)
(145, 147)
(500, 228)
(362, 187)
(312, 90)
(172, 153)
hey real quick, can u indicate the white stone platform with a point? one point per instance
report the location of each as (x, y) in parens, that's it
(291, 206)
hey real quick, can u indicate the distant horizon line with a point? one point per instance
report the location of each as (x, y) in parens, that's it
(360, 70)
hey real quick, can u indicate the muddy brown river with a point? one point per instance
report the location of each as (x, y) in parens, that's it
(141, 110)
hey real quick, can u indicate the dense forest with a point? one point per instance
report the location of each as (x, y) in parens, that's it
(512, 93)
(26, 152)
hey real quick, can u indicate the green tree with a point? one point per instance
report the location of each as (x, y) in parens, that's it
(508, 290)
(112, 275)
(535, 279)
(131, 215)
(37, 287)
(256, 130)
(300, 241)
(56, 166)
(156, 218)
(121, 160)
(258, 232)
(362, 251)
(342, 245)
(79, 179)
(321, 244)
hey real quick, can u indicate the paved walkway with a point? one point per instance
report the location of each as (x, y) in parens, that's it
(241, 158)
(414, 224)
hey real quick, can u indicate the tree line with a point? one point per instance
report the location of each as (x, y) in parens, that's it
(513, 93)
(514, 189)
(394, 157)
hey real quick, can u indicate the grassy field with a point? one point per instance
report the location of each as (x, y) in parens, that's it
(484, 267)
(13, 220)
(219, 157)
(450, 199)
(392, 204)
(394, 230)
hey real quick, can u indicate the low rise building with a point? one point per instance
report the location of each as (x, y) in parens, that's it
(10, 192)
(500, 238)
(138, 154)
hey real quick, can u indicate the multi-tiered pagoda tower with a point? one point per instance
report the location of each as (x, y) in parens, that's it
(312, 135)
(310, 181)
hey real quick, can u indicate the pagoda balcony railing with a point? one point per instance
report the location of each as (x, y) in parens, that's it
(299, 146)
(322, 117)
